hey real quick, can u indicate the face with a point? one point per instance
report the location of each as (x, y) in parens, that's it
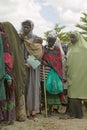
(38, 40)
(26, 29)
(73, 38)
(51, 41)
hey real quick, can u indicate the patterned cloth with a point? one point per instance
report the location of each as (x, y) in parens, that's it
(19, 67)
(7, 106)
(54, 59)
(33, 49)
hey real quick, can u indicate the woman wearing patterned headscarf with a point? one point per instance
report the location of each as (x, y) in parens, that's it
(33, 81)
(7, 98)
(18, 70)
(76, 75)
(52, 60)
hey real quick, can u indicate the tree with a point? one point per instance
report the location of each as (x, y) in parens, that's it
(60, 33)
(83, 25)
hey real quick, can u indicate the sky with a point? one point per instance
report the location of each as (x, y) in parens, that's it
(44, 13)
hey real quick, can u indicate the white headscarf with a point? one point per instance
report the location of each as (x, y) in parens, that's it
(58, 43)
(52, 34)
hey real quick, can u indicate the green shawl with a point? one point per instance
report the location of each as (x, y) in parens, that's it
(2, 71)
(77, 68)
(18, 60)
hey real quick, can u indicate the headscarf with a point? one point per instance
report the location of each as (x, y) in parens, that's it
(81, 42)
(28, 23)
(57, 42)
(77, 68)
(52, 34)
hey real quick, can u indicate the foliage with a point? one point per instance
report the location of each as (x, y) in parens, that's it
(83, 25)
(60, 33)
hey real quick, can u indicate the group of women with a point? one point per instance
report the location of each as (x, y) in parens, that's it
(20, 84)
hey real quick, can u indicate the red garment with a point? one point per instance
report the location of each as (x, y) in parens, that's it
(54, 59)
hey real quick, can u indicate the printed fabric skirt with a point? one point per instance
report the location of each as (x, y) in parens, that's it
(7, 107)
(51, 99)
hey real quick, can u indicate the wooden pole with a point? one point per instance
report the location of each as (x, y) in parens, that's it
(45, 98)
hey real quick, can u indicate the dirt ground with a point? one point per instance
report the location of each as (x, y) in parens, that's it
(50, 123)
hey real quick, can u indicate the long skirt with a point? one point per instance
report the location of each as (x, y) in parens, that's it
(51, 98)
(74, 108)
(32, 92)
(7, 107)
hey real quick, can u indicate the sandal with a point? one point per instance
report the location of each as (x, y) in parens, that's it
(22, 119)
(32, 117)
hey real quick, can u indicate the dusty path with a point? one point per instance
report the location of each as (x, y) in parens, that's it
(50, 123)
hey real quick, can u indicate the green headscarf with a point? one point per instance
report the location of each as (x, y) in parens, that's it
(77, 68)
(81, 42)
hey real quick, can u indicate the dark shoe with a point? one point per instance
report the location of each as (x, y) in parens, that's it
(65, 117)
(0, 126)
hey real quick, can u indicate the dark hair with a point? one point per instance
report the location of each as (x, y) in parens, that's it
(27, 22)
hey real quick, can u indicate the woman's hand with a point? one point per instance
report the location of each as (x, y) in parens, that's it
(44, 62)
(9, 83)
(27, 65)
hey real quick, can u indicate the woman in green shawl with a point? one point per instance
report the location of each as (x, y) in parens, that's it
(76, 75)
(18, 70)
(7, 96)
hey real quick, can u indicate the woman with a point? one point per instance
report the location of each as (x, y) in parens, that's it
(33, 80)
(7, 97)
(18, 70)
(76, 75)
(52, 59)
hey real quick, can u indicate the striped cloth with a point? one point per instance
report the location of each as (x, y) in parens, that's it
(47, 69)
